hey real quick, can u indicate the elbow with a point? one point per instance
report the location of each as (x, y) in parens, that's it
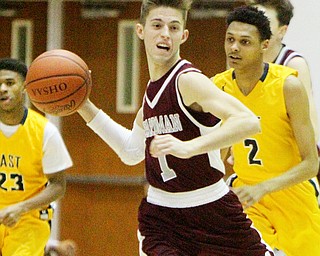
(61, 187)
(130, 162)
(314, 167)
(253, 125)
(61, 190)
(132, 158)
(257, 125)
(311, 166)
(57, 184)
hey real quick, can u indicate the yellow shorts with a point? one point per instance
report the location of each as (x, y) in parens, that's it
(27, 238)
(289, 219)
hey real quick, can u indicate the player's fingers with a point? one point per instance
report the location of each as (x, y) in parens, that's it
(155, 149)
(9, 222)
(160, 145)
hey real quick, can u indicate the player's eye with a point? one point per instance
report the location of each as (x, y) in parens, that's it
(230, 39)
(174, 28)
(245, 42)
(156, 25)
(10, 83)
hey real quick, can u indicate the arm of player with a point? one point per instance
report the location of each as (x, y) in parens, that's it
(300, 64)
(55, 189)
(297, 107)
(129, 145)
(199, 93)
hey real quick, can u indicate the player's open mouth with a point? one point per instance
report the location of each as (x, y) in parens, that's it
(163, 47)
(234, 57)
(3, 98)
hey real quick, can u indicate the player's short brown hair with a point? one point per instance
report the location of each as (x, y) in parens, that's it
(284, 9)
(147, 5)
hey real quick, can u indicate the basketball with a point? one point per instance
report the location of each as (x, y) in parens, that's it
(58, 82)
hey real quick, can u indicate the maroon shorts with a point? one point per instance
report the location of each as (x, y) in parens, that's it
(219, 228)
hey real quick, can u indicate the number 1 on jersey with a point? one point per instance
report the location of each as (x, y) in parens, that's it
(167, 173)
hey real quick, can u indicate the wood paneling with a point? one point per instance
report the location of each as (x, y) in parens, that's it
(95, 40)
(102, 219)
(205, 45)
(34, 11)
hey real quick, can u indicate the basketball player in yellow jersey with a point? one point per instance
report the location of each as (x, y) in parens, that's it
(273, 167)
(280, 13)
(33, 158)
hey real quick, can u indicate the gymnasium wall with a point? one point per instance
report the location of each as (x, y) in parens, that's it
(37, 12)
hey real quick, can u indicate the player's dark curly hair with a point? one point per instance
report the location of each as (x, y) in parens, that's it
(251, 15)
(147, 5)
(14, 65)
(283, 8)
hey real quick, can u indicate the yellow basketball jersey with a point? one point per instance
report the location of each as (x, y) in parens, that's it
(21, 174)
(261, 157)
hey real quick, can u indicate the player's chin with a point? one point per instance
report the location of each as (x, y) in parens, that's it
(8, 105)
(234, 62)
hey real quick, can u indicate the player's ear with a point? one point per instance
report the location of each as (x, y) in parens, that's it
(139, 31)
(185, 35)
(265, 44)
(282, 31)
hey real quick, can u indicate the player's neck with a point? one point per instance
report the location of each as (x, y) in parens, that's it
(12, 117)
(158, 69)
(272, 53)
(246, 81)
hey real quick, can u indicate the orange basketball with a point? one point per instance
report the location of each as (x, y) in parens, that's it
(58, 82)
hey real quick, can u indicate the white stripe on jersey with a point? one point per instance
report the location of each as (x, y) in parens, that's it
(187, 199)
(214, 155)
(283, 52)
(157, 97)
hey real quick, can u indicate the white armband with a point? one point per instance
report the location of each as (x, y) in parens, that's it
(129, 145)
